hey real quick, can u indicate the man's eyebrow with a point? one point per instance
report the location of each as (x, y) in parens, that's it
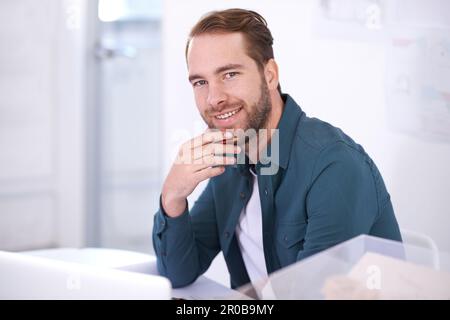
(218, 70)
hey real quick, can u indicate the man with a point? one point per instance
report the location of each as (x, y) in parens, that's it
(326, 189)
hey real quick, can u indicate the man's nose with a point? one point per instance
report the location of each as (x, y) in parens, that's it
(216, 97)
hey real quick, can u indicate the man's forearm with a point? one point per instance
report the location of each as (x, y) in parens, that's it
(175, 249)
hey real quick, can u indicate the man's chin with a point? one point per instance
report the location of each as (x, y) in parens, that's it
(223, 129)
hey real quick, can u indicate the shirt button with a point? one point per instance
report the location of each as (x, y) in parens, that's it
(227, 234)
(285, 238)
(163, 222)
(266, 192)
(242, 195)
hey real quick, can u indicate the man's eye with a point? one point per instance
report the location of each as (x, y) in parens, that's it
(230, 75)
(199, 83)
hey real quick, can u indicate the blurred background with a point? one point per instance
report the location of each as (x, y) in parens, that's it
(94, 101)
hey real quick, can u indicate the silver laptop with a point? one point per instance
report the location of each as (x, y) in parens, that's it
(30, 277)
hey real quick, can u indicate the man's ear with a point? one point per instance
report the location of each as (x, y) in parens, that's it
(271, 74)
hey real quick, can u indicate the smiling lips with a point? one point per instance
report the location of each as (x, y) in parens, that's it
(224, 116)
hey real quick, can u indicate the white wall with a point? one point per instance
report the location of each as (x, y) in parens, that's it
(341, 81)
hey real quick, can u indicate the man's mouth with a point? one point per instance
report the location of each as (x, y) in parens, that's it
(228, 114)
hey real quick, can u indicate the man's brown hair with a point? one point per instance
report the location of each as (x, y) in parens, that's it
(252, 25)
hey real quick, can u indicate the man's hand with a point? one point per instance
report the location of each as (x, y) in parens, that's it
(199, 159)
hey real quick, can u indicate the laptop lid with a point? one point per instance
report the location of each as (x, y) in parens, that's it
(30, 277)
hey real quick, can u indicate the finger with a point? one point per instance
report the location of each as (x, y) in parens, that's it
(185, 154)
(214, 149)
(209, 173)
(210, 136)
(211, 161)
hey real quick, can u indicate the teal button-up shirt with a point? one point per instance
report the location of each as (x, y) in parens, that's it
(327, 190)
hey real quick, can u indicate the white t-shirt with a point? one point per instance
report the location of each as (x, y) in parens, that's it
(249, 236)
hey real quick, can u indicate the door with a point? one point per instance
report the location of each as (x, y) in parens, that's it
(126, 151)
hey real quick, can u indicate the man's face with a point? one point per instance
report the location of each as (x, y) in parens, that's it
(230, 91)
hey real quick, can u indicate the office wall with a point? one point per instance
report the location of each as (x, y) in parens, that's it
(340, 75)
(41, 123)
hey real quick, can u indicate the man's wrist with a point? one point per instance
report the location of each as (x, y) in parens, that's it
(173, 207)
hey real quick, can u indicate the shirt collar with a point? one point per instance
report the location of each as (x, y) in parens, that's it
(287, 129)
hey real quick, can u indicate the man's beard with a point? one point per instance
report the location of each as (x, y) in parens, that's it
(259, 113)
(259, 117)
